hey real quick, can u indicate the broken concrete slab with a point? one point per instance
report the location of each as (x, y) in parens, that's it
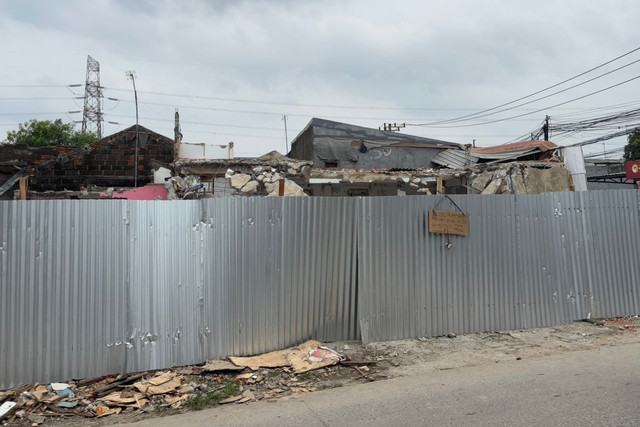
(239, 180)
(481, 181)
(493, 187)
(250, 187)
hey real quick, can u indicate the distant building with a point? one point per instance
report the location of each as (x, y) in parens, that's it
(109, 162)
(607, 174)
(335, 145)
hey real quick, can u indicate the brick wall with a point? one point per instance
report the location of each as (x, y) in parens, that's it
(106, 163)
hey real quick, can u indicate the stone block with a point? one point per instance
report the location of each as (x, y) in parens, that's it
(239, 180)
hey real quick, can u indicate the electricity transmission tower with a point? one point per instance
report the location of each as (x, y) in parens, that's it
(91, 115)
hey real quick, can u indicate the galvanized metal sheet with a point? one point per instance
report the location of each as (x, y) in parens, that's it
(528, 261)
(95, 287)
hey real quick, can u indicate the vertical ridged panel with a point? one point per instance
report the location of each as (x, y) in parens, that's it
(528, 261)
(95, 287)
(62, 289)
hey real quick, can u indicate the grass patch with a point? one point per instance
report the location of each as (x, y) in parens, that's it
(200, 401)
(306, 376)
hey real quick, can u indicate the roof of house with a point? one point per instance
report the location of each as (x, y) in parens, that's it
(516, 147)
(457, 159)
(335, 140)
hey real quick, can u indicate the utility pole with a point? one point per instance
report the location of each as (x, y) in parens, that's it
(91, 114)
(177, 134)
(545, 128)
(132, 76)
(286, 137)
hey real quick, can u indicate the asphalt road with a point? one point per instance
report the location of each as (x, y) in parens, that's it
(592, 387)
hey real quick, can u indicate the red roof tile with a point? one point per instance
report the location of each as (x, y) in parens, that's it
(516, 146)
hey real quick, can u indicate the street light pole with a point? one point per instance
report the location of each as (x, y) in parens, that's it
(132, 76)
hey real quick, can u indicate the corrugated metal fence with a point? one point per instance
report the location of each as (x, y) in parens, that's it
(95, 287)
(528, 261)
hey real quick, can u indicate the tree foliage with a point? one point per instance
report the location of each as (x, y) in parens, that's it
(42, 133)
(632, 149)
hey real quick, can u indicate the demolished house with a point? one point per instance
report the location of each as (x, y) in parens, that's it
(351, 161)
(275, 174)
(336, 159)
(76, 171)
(270, 175)
(335, 145)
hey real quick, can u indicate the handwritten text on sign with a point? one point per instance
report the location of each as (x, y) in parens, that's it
(443, 222)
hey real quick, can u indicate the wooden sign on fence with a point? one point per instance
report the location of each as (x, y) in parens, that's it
(443, 222)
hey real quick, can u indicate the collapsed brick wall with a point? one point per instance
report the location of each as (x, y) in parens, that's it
(106, 163)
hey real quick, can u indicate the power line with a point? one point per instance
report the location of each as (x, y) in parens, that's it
(604, 137)
(549, 87)
(31, 85)
(202, 123)
(39, 114)
(532, 112)
(34, 98)
(537, 99)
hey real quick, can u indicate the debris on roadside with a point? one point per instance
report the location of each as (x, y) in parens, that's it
(235, 381)
(305, 368)
(305, 357)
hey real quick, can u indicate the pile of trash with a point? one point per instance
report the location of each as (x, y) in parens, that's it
(237, 380)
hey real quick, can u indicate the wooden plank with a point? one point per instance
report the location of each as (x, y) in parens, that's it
(281, 188)
(439, 185)
(24, 183)
(443, 222)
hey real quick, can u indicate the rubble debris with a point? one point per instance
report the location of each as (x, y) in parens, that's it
(35, 418)
(305, 357)
(220, 365)
(523, 177)
(125, 398)
(274, 359)
(117, 383)
(188, 387)
(6, 408)
(161, 383)
(103, 411)
(240, 180)
(230, 399)
(67, 405)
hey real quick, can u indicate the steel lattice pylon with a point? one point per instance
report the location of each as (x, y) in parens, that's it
(92, 115)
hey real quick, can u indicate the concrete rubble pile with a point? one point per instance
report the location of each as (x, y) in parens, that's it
(520, 178)
(264, 179)
(237, 380)
(270, 175)
(528, 177)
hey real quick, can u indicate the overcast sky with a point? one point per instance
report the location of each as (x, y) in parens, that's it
(234, 68)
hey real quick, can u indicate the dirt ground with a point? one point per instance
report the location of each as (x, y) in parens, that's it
(373, 362)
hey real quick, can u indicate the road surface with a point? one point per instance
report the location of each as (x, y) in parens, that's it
(593, 387)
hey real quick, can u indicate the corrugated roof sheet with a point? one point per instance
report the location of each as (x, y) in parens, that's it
(455, 159)
(516, 146)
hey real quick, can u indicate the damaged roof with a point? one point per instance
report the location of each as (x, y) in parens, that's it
(516, 147)
(456, 159)
(335, 140)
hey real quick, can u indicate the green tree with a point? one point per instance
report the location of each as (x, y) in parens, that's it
(42, 133)
(632, 149)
